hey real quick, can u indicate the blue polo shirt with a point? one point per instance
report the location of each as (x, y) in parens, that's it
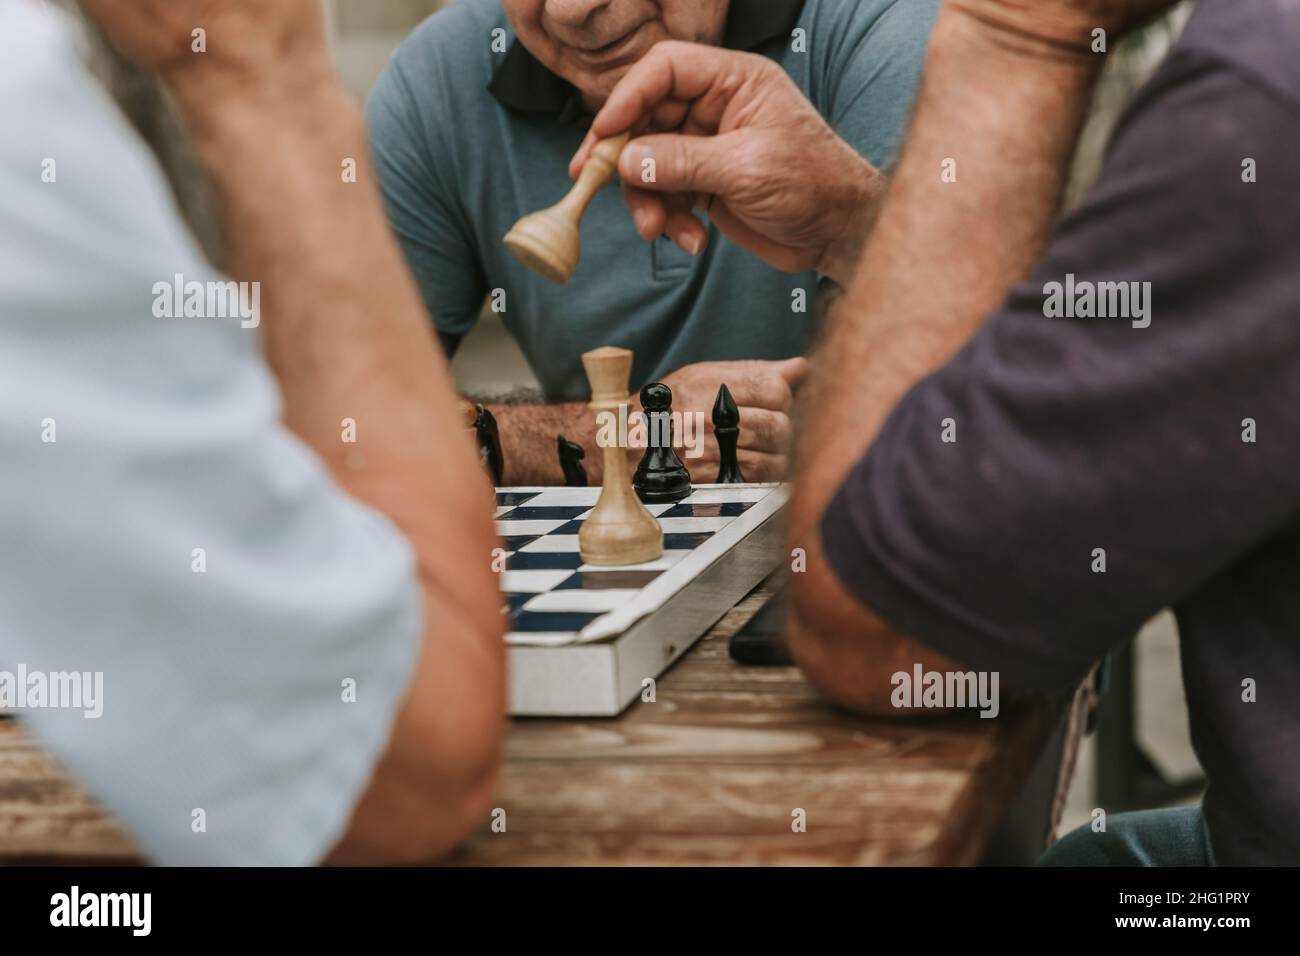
(467, 140)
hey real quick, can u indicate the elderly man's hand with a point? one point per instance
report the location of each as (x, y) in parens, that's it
(764, 394)
(239, 39)
(731, 133)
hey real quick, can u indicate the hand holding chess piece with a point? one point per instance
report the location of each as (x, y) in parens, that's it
(547, 241)
(619, 530)
(735, 128)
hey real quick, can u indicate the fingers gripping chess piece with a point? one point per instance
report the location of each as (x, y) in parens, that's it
(619, 529)
(726, 426)
(547, 241)
(661, 476)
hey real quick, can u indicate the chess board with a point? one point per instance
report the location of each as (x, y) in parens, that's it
(583, 639)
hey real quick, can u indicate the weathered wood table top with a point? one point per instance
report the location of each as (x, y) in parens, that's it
(714, 771)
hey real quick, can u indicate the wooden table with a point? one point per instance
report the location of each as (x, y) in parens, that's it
(714, 771)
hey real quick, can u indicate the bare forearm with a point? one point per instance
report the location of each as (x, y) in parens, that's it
(843, 254)
(941, 257)
(943, 253)
(366, 386)
(342, 324)
(361, 379)
(528, 433)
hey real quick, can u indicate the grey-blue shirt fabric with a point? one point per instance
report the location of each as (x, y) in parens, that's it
(1167, 444)
(458, 167)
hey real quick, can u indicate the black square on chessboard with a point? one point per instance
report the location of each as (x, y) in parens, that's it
(544, 561)
(555, 513)
(606, 580)
(515, 542)
(552, 622)
(725, 509)
(687, 541)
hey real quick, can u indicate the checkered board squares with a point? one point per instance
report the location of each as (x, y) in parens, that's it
(552, 598)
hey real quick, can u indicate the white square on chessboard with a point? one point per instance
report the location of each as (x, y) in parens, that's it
(564, 498)
(531, 582)
(541, 638)
(575, 599)
(663, 564)
(507, 528)
(562, 543)
(655, 510)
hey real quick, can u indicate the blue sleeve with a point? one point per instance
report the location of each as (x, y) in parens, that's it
(416, 169)
(1127, 434)
(870, 69)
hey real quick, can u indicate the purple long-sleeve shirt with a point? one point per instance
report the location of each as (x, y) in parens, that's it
(1153, 423)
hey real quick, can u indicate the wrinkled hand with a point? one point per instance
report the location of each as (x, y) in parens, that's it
(1062, 26)
(239, 35)
(764, 393)
(730, 132)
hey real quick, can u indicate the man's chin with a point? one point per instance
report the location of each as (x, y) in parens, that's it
(595, 87)
(601, 85)
(596, 82)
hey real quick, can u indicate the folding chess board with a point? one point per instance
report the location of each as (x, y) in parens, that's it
(584, 639)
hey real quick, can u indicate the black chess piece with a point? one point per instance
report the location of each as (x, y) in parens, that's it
(726, 426)
(488, 437)
(661, 476)
(571, 455)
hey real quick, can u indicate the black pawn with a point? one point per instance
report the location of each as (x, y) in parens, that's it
(661, 477)
(726, 426)
(571, 455)
(489, 444)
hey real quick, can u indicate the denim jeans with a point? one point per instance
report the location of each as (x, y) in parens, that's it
(1173, 837)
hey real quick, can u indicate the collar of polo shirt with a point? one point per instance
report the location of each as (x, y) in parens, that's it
(523, 84)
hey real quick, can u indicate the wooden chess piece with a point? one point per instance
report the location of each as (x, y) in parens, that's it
(726, 426)
(661, 477)
(482, 425)
(547, 241)
(619, 530)
(571, 456)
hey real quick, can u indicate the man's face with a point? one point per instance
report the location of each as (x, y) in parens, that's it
(592, 43)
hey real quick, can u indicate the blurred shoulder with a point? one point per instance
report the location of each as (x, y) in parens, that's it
(855, 44)
(36, 43)
(463, 37)
(440, 72)
(852, 20)
(1256, 40)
